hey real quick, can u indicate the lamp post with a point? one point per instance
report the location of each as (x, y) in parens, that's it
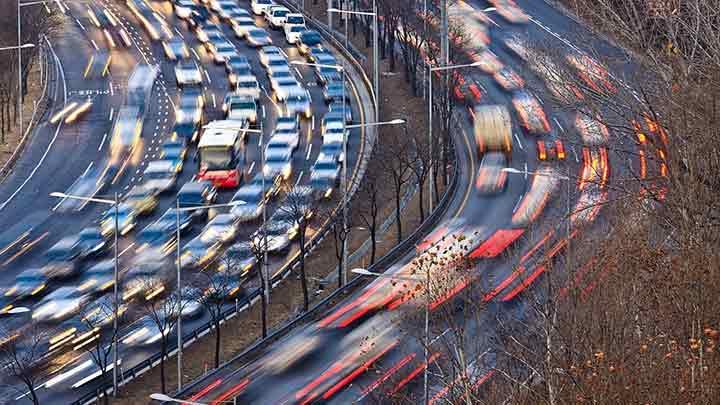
(179, 209)
(426, 330)
(430, 121)
(115, 203)
(166, 398)
(376, 68)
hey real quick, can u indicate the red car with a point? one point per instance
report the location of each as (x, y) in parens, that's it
(551, 150)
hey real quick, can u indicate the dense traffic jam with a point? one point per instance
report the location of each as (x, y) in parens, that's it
(71, 294)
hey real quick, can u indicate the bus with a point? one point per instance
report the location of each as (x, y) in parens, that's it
(220, 153)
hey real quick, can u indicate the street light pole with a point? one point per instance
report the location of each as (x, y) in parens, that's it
(376, 62)
(266, 273)
(179, 288)
(115, 299)
(19, 60)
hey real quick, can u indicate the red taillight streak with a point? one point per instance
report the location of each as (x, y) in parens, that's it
(579, 275)
(495, 291)
(345, 381)
(497, 243)
(392, 370)
(205, 390)
(231, 392)
(523, 284)
(364, 310)
(399, 301)
(643, 164)
(537, 246)
(477, 94)
(605, 166)
(413, 374)
(340, 312)
(445, 390)
(334, 369)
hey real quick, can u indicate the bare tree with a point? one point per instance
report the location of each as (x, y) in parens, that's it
(98, 345)
(396, 162)
(259, 246)
(367, 205)
(163, 315)
(339, 235)
(21, 355)
(421, 169)
(298, 207)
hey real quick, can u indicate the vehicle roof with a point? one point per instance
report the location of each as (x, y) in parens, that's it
(160, 166)
(219, 138)
(195, 186)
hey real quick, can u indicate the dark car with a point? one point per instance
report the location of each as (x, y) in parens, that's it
(196, 194)
(63, 258)
(92, 242)
(334, 91)
(309, 40)
(29, 283)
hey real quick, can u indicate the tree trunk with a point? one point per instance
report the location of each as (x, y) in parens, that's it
(421, 194)
(303, 276)
(33, 396)
(163, 353)
(217, 340)
(373, 246)
(398, 219)
(263, 312)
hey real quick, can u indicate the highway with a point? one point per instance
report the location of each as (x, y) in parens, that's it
(33, 221)
(361, 350)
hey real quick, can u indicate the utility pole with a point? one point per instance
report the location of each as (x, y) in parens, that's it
(376, 62)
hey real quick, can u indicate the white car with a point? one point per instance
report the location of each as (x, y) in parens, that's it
(282, 88)
(278, 161)
(242, 109)
(287, 136)
(276, 16)
(294, 19)
(248, 86)
(187, 73)
(241, 26)
(259, 7)
(160, 175)
(292, 33)
(184, 8)
(287, 123)
(222, 51)
(268, 51)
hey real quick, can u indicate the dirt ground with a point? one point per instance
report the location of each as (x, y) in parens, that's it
(286, 301)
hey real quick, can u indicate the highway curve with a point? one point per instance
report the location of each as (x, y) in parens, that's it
(356, 351)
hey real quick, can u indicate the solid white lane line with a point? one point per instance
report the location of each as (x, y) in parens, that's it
(517, 138)
(299, 178)
(558, 124)
(252, 166)
(309, 150)
(102, 142)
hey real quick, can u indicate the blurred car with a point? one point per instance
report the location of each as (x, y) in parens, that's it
(242, 108)
(63, 258)
(551, 150)
(488, 62)
(146, 276)
(190, 105)
(145, 331)
(159, 235)
(272, 183)
(267, 52)
(510, 11)
(287, 123)
(332, 122)
(99, 278)
(205, 31)
(491, 178)
(254, 200)
(518, 46)
(332, 150)
(241, 26)
(279, 162)
(292, 33)
(317, 54)
(222, 227)
(196, 194)
(531, 114)
(143, 199)
(160, 175)
(278, 238)
(126, 219)
(187, 73)
(89, 183)
(259, 7)
(225, 284)
(284, 83)
(325, 175)
(174, 151)
(508, 79)
(198, 254)
(190, 305)
(275, 16)
(92, 242)
(188, 130)
(297, 103)
(334, 91)
(257, 37)
(286, 136)
(240, 64)
(276, 63)
(184, 8)
(338, 107)
(308, 40)
(98, 65)
(222, 50)
(175, 49)
(248, 86)
(242, 257)
(233, 13)
(592, 73)
(29, 283)
(60, 304)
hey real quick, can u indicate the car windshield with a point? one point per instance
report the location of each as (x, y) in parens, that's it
(60, 253)
(279, 158)
(325, 166)
(257, 33)
(154, 175)
(297, 28)
(215, 157)
(29, 277)
(280, 13)
(190, 198)
(247, 84)
(244, 105)
(250, 196)
(295, 19)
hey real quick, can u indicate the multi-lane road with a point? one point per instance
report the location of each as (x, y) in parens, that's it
(360, 350)
(58, 154)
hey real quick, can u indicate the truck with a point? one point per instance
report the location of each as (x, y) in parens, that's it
(493, 129)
